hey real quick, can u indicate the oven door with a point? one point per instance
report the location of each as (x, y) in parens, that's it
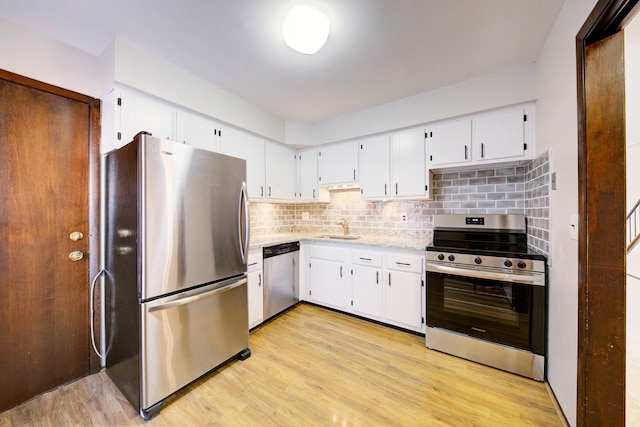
(493, 307)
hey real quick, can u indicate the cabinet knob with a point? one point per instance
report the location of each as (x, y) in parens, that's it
(76, 235)
(76, 256)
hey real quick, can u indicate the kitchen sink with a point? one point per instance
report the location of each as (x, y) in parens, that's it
(339, 236)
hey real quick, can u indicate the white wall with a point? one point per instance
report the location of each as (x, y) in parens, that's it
(142, 70)
(556, 129)
(508, 87)
(30, 54)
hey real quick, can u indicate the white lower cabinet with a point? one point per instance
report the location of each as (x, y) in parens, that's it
(386, 285)
(366, 285)
(404, 292)
(328, 275)
(254, 287)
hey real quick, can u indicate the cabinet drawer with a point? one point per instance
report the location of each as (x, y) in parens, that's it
(254, 261)
(360, 257)
(332, 253)
(403, 262)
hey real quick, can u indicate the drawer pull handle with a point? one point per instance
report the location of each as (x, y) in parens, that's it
(406, 264)
(365, 259)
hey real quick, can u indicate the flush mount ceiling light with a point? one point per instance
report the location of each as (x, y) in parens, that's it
(305, 29)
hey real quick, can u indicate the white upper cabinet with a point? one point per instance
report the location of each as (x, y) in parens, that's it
(338, 163)
(501, 134)
(449, 142)
(251, 148)
(497, 136)
(307, 174)
(374, 167)
(280, 172)
(408, 164)
(394, 166)
(197, 131)
(140, 112)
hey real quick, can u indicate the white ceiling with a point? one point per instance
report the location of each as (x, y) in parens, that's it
(378, 50)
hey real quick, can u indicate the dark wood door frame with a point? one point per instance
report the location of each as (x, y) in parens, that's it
(94, 186)
(602, 208)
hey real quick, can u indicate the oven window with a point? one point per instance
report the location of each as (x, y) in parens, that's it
(488, 309)
(483, 299)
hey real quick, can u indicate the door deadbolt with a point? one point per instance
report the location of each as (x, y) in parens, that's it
(76, 235)
(76, 256)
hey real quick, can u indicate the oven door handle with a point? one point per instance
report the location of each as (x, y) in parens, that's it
(532, 278)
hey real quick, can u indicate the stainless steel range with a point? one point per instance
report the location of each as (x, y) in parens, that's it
(486, 293)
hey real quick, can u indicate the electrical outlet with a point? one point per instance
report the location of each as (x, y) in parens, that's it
(403, 217)
(305, 216)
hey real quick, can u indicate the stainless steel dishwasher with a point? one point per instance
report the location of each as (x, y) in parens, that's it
(280, 277)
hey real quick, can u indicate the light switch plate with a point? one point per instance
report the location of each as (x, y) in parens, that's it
(574, 226)
(403, 217)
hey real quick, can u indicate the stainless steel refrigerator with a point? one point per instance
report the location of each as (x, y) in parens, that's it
(177, 234)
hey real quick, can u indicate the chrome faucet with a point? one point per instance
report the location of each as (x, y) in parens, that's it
(345, 226)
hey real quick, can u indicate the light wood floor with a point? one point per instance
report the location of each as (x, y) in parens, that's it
(316, 367)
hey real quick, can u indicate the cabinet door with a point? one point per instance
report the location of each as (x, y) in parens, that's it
(197, 131)
(139, 113)
(308, 174)
(327, 283)
(449, 142)
(367, 291)
(374, 167)
(408, 164)
(255, 297)
(500, 134)
(403, 299)
(280, 172)
(338, 164)
(251, 148)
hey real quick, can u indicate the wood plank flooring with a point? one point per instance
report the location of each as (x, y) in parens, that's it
(312, 367)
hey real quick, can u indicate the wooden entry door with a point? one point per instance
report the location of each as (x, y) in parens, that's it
(44, 198)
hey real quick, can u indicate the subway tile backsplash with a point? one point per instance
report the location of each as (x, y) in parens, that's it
(522, 189)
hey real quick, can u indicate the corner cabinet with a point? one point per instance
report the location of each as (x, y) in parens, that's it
(383, 285)
(338, 163)
(394, 166)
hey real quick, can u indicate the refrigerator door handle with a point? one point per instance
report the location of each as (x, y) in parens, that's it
(243, 219)
(194, 298)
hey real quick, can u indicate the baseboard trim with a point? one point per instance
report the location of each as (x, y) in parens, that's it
(554, 400)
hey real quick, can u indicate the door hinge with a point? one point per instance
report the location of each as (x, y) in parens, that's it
(352, 271)
(525, 117)
(423, 283)
(426, 188)
(319, 153)
(309, 291)
(119, 136)
(426, 135)
(525, 147)
(423, 320)
(361, 146)
(119, 102)
(361, 192)
(431, 158)
(351, 302)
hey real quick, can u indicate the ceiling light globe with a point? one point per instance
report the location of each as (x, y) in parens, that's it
(305, 29)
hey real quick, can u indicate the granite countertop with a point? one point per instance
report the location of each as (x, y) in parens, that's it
(400, 242)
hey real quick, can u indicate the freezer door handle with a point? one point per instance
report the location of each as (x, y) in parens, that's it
(243, 223)
(198, 297)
